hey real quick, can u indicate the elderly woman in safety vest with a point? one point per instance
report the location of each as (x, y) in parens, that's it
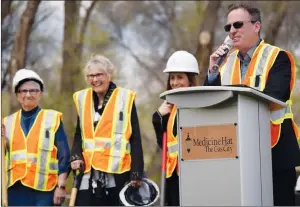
(107, 140)
(182, 69)
(37, 151)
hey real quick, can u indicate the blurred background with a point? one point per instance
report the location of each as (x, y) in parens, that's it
(55, 38)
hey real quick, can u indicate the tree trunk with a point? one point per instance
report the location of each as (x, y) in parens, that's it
(274, 25)
(206, 38)
(70, 73)
(18, 56)
(5, 9)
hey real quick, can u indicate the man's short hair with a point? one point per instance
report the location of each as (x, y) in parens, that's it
(254, 12)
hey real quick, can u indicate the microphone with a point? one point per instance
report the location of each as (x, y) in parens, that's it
(228, 43)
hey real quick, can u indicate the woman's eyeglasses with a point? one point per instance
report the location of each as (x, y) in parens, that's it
(236, 25)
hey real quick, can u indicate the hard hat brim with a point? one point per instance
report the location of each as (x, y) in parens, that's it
(126, 203)
(179, 70)
(29, 79)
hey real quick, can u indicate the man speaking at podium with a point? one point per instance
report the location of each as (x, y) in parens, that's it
(271, 70)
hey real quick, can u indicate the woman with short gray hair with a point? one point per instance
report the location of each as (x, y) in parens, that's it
(107, 142)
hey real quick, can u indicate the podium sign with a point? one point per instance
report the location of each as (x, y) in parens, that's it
(209, 142)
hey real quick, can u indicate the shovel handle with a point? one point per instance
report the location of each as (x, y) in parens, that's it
(73, 196)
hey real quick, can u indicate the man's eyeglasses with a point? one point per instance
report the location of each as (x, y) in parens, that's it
(31, 91)
(97, 75)
(236, 25)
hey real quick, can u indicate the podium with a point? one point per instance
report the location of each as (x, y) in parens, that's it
(224, 146)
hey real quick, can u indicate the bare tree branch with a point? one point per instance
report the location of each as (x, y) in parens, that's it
(19, 50)
(85, 23)
(206, 37)
(274, 25)
(139, 61)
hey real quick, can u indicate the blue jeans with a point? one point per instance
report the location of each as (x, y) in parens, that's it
(20, 195)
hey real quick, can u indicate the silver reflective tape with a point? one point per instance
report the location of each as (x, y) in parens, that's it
(41, 180)
(80, 106)
(102, 144)
(173, 148)
(8, 126)
(275, 115)
(89, 145)
(120, 109)
(288, 109)
(261, 64)
(42, 171)
(32, 159)
(117, 145)
(19, 156)
(128, 147)
(228, 67)
(116, 153)
(48, 125)
(53, 166)
(8, 132)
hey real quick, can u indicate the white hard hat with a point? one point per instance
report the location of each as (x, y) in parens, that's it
(145, 195)
(182, 61)
(23, 74)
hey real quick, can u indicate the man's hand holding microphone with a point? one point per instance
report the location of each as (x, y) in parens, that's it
(216, 59)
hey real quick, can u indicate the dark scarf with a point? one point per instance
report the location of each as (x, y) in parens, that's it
(99, 176)
(110, 90)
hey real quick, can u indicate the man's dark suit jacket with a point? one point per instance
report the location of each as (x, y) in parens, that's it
(286, 154)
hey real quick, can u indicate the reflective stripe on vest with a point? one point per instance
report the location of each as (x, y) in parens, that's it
(172, 144)
(256, 77)
(33, 159)
(106, 147)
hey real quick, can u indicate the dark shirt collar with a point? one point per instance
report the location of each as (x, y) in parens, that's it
(31, 112)
(250, 52)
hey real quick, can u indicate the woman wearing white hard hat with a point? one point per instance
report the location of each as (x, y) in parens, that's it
(182, 68)
(37, 153)
(107, 140)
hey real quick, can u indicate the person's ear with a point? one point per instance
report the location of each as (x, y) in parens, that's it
(257, 27)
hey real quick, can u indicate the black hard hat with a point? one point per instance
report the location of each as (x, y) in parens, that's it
(144, 195)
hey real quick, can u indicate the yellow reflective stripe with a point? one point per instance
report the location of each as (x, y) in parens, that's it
(227, 69)
(120, 145)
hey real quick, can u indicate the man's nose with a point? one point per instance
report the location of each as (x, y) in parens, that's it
(27, 94)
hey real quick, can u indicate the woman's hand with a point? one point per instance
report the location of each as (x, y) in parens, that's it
(165, 108)
(76, 164)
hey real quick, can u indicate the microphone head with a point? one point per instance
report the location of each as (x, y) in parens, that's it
(228, 42)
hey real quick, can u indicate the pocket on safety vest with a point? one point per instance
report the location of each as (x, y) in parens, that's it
(47, 143)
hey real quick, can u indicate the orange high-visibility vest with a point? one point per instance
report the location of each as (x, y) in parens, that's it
(107, 147)
(32, 159)
(261, 62)
(172, 145)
